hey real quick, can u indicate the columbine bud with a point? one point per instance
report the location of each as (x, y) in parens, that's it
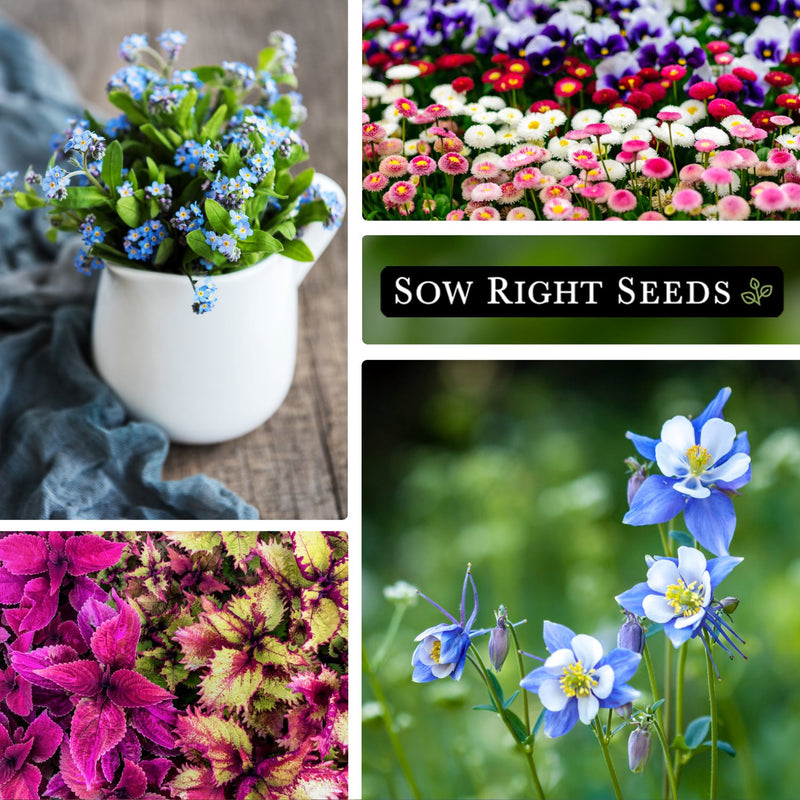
(631, 634)
(499, 640)
(638, 749)
(729, 604)
(637, 478)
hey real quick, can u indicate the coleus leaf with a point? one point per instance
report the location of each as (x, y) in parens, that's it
(129, 689)
(24, 553)
(313, 553)
(11, 587)
(46, 736)
(233, 678)
(114, 642)
(28, 665)
(79, 677)
(197, 783)
(271, 650)
(223, 742)
(92, 615)
(23, 785)
(156, 724)
(132, 782)
(97, 726)
(239, 544)
(323, 619)
(198, 643)
(195, 541)
(74, 780)
(91, 553)
(40, 604)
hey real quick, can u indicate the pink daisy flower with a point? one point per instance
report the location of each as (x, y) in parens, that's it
(781, 159)
(625, 158)
(733, 207)
(669, 116)
(597, 192)
(423, 118)
(792, 192)
(364, 118)
(651, 216)
(453, 164)
(510, 193)
(621, 201)
(578, 213)
(742, 131)
(520, 213)
(770, 200)
(657, 167)
(717, 176)
(372, 132)
(727, 159)
(485, 214)
(428, 206)
(467, 185)
(557, 209)
(691, 173)
(438, 130)
(577, 134)
(422, 165)
(393, 166)
(569, 181)
(781, 120)
(405, 107)
(486, 193)
(390, 147)
(634, 146)
(449, 144)
(437, 111)
(527, 178)
(705, 145)
(485, 169)
(597, 129)
(687, 200)
(555, 191)
(749, 158)
(455, 215)
(375, 182)
(582, 159)
(401, 192)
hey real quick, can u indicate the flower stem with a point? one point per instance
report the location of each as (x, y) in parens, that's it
(521, 665)
(679, 705)
(712, 699)
(391, 632)
(665, 747)
(598, 732)
(667, 701)
(527, 749)
(388, 722)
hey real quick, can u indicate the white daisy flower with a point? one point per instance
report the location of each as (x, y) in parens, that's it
(507, 135)
(469, 109)
(788, 141)
(560, 147)
(533, 127)
(556, 169)
(586, 117)
(733, 121)
(403, 72)
(694, 110)
(716, 135)
(509, 115)
(481, 137)
(372, 89)
(620, 118)
(484, 117)
(493, 102)
(555, 117)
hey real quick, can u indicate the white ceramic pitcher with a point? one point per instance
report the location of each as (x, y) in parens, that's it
(210, 377)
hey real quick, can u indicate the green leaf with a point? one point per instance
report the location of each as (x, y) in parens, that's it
(286, 229)
(153, 171)
(497, 687)
(696, 731)
(112, 165)
(184, 112)
(233, 678)
(538, 724)
(679, 743)
(212, 128)
(164, 252)
(484, 708)
(260, 242)
(749, 298)
(518, 726)
(239, 544)
(129, 211)
(155, 135)
(85, 197)
(124, 102)
(197, 241)
(27, 201)
(282, 109)
(298, 250)
(511, 699)
(265, 57)
(51, 235)
(315, 211)
(657, 704)
(218, 217)
(208, 73)
(726, 747)
(301, 183)
(682, 538)
(195, 541)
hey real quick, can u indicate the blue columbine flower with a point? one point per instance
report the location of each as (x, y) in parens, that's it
(679, 594)
(577, 680)
(442, 649)
(702, 461)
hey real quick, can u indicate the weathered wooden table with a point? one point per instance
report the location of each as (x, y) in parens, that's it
(294, 466)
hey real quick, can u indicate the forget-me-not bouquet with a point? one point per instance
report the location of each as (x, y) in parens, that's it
(194, 177)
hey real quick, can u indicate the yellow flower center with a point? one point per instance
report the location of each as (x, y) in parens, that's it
(576, 681)
(684, 599)
(699, 458)
(436, 651)
(545, 62)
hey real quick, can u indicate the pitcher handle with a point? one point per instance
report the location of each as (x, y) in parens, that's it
(316, 235)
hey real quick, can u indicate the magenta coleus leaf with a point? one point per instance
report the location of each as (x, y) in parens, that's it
(11, 587)
(29, 664)
(133, 781)
(22, 785)
(16, 692)
(92, 615)
(114, 642)
(46, 736)
(90, 553)
(73, 780)
(24, 553)
(97, 726)
(129, 689)
(40, 604)
(80, 677)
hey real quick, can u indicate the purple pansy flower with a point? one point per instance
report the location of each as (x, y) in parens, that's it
(577, 680)
(442, 649)
(702, 461)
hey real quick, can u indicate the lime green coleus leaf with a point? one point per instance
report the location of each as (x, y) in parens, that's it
(313, 553)
(323, 619)
(233, 678)
(223, 742)
(173, 675)
(196, 541)
(239, 544)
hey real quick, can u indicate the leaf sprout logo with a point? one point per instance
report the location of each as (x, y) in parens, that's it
(758, 294)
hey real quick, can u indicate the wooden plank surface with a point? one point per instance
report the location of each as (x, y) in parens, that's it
(295, 466)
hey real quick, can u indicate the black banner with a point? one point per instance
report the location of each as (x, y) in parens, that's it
(581, 291)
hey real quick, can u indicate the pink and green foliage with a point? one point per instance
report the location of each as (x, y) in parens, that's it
(196, 665)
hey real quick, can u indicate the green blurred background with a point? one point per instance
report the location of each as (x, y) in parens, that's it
(517, 467)
(734, 251)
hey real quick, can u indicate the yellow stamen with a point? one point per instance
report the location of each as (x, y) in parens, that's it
(699, 458)
(577, 681)
(684, 599)
(436, 651)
